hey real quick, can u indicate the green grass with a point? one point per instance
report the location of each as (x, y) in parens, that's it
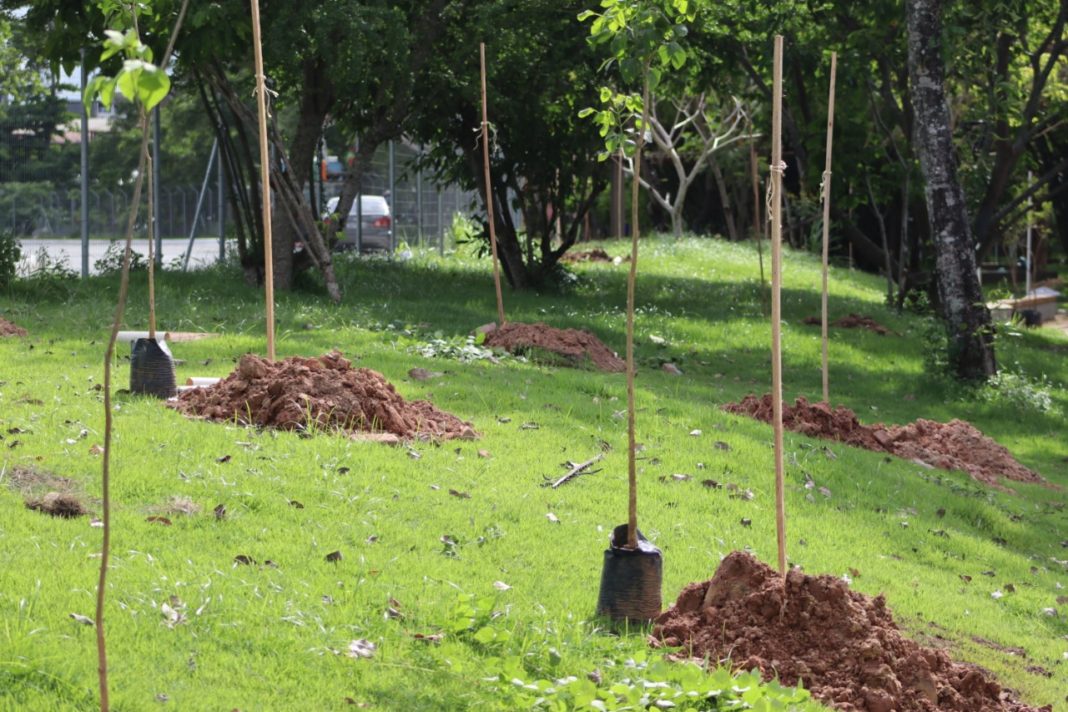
(263, 637)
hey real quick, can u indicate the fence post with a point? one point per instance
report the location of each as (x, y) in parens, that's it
(85, 175)
(441, 221)
(222, 206)
(392, 195)
(419, 201)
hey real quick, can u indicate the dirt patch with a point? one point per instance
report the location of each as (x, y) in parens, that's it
(46, 492)
(29, 481)
(852, 321)
(324, 392)
(9, 329)
(956, 445)
(594, 255)
(843, 645)
(575, 346)
(58, 504)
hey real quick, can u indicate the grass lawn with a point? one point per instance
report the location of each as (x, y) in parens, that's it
(512, 595)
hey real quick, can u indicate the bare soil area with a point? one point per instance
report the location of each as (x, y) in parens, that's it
(575, 347)
(843, 645)
(9, 329)
(323, 392)
(956, 445)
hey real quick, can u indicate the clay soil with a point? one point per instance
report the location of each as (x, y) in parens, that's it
(594, 255)
(576, 347)
(318, 393)
(844, 646)
(852, 321)
(956, 445)
(9, 329)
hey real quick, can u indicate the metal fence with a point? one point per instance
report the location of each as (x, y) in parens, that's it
(423, 211)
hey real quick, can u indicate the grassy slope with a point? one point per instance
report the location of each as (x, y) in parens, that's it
(263, 638)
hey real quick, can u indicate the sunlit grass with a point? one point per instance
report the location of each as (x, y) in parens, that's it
(264, 636)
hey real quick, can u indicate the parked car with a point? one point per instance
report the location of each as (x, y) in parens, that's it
(377, 233)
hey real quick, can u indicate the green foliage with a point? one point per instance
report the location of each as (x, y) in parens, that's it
(139, 80)
(10, 253)
(1014, 387)
(643, 38)
(111, 262)
(638, 683)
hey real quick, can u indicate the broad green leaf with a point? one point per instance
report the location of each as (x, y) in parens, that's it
(152, 86)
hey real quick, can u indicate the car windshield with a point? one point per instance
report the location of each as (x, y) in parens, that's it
(371, 204)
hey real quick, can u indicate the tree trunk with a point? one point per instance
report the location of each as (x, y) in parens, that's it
(724, 199)
(316, 99)
(971, 347)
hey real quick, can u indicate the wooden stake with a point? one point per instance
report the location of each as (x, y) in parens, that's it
(825, 188)
(265, 177)
(152, 227)
(489, 188)
(777, 168)
(632, 470)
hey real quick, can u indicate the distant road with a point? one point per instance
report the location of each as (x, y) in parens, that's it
(205, 251)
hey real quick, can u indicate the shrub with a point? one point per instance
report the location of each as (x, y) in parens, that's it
(10, 253)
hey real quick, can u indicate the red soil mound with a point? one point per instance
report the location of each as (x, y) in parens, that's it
(843, 645)
(852, 321)
(325, 392)
(574, 345)
(594, 255)
(9, 329)
(956, 445)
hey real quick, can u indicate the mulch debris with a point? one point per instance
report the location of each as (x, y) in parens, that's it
(956, 445)
(844, 646)
(323, 392)
(576, 347)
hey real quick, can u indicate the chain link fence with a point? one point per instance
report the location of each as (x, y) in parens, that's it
(41, 204)
(422, 210)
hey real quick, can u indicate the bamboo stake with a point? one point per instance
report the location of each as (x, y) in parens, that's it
(776, 301)
(825, 188)
(152, 227)
(265, 176)
(618, 189)
(489, 188)
(632, 469)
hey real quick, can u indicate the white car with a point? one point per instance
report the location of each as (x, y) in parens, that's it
(377, 233)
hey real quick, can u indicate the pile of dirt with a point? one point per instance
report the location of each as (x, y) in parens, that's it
(9, 329)
(58, 504)
(575, 346)
(325, 393)
(956, 445)
(852, 321)
(843, 645)
(594, 255)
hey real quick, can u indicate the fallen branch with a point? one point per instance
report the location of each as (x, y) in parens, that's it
(575, 471)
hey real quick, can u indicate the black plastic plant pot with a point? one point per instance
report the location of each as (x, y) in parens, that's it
(152, 369)
(630, 580)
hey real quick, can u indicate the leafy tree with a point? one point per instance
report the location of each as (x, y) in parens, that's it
(30, 114)
(541, 71)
